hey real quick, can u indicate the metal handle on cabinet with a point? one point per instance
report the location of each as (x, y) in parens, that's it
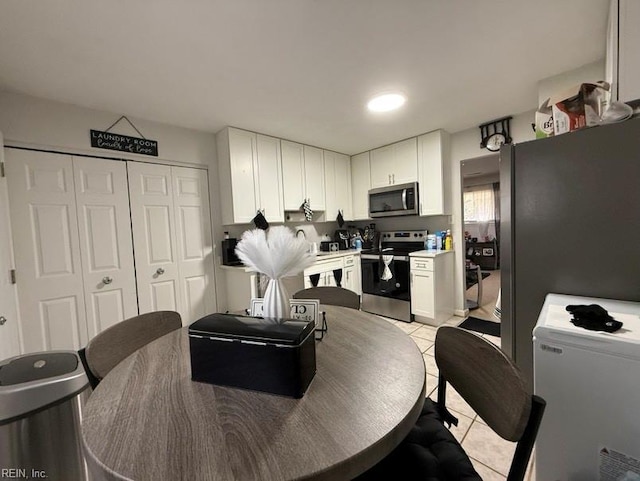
(107, 280)
(160, 271)
(3, 320)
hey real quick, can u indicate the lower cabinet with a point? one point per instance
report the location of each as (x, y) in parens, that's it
(347, 267)
(432, 288)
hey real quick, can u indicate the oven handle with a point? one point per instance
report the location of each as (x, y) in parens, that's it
(377, 257)
(404, 199)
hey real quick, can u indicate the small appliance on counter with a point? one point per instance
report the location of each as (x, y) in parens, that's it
(229, 256)
(277, 356)
(343, 238)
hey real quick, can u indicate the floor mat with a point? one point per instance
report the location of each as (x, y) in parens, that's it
(480, 325)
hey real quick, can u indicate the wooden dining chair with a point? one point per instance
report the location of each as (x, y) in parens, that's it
(114, 344)
(495, 389)
(333, 296)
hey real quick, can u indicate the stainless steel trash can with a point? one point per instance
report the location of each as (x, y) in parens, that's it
(41, 397)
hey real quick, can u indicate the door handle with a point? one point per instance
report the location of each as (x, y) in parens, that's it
(107, 280)
(160, 271)
(3, 320)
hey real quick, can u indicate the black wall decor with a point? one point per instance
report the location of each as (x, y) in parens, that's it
(495, 128)
(123, 143)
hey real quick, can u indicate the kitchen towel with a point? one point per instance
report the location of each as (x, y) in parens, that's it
(260, 221)
(306, 208)
(386, 273)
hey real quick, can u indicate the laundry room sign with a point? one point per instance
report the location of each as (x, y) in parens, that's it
(123, 143)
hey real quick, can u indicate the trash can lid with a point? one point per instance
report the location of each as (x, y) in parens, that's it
(32, 382)
(37, 366)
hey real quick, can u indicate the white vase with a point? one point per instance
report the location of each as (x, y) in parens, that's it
(276, 300)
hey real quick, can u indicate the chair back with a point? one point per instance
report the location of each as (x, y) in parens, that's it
(114, 344)
(333, 296)
(493, 386)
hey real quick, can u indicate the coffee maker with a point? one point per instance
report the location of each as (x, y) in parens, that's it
(341, 236)
(229, 256)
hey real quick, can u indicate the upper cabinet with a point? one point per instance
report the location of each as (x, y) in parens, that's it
(434, 173)
(394, 164)
(250, 170)
(337, 181)
(360, 185)
(622, 59)
(303, 176)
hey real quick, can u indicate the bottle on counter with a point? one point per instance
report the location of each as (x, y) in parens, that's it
(448, 241)
(430, 243)
(439, 240)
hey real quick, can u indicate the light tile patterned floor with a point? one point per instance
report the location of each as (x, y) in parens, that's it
(489, 453)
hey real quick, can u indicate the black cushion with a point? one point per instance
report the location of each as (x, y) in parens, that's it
(428, 453)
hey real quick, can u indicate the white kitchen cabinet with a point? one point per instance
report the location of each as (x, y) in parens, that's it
(337, 182)
(622, 58)
(250, 171)
(314, 177)
(432, 287)
(394, 164)
(434, 173)
(268, 178)
(292, 174)
(348, 263)
(351, 274)
(360, 185)
(302, 176)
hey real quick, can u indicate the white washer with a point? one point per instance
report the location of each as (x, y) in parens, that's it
(591, 383)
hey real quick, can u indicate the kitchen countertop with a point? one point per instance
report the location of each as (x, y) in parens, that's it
(319, 257)
(424, 253)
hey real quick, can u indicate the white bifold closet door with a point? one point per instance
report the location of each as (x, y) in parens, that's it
(47, 252)
(73, 247)
(195, 245)
(104, 223)
(172, 239)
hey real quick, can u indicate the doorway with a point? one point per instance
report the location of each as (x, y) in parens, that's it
(481, 227)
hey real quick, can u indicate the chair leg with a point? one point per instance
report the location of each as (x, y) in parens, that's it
(446, 416)
(525, 445)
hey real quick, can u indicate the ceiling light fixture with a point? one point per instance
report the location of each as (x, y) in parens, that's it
(386, 102)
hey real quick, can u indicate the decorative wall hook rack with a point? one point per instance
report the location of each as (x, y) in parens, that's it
(495, 133)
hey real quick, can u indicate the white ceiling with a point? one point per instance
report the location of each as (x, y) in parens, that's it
(298, 69)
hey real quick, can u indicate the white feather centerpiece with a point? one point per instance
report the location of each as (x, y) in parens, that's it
(276, 253)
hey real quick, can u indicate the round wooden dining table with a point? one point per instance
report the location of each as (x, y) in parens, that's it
(147, 420)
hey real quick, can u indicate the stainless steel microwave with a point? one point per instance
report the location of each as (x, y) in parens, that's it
(400, 199)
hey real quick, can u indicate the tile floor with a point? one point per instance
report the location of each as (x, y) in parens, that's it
(490, 454)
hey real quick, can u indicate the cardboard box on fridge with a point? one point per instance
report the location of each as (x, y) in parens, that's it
(578, 107)
(544, 121)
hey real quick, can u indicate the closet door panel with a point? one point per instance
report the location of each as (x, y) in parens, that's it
(104, 222)
(154, 226)
(47, 253)
(195, 246)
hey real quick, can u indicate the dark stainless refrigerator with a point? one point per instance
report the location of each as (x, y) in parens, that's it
(570, 208)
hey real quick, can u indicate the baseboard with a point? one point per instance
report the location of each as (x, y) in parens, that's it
(461, 312)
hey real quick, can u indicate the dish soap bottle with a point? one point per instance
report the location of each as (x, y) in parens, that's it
(448, 241)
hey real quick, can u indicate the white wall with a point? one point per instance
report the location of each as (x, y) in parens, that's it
(466, 145)
(27, 121)
(590, 73)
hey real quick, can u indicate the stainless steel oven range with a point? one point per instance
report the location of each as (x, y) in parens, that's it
(385, 274)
